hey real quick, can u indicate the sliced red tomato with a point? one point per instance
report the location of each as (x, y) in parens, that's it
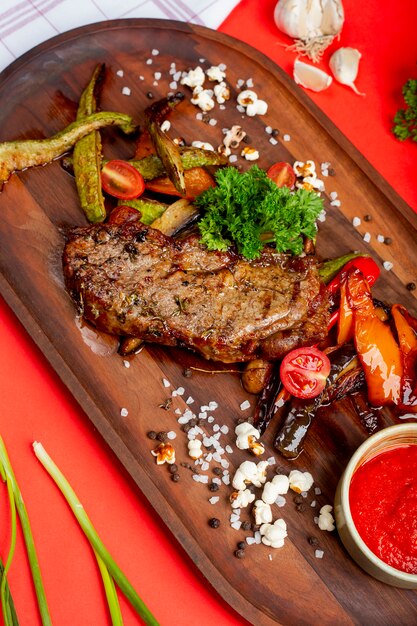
(282, 174)
(304, 372)
(121, 180)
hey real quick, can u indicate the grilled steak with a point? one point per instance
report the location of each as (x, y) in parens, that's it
(131, 279)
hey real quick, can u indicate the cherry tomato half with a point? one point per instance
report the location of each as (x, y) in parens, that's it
(304, 372)
(122, 180)
(282, 174)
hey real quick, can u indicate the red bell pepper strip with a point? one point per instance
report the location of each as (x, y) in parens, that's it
(406, 327)
(345, 322)
(377, 349)
(365, 264)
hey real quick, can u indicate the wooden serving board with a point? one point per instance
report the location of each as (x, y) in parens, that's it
(38, 97)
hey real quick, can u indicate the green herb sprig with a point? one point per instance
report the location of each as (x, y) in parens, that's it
(405, 120)
(248, 210)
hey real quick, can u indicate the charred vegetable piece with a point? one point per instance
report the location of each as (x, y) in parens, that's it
(377, 349)
(266, 406)
(165, 147)
(345, 377)
(256, 375)
(196, 180)
(87, 156)
(19, 155)
(150, 210)
(177, 216)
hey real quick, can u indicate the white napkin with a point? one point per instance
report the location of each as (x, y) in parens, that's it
(26, 23)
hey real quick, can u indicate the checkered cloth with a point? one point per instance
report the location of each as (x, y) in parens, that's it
(26, 23)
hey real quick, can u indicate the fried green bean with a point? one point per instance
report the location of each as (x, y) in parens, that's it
(87, 156)
(21, 154)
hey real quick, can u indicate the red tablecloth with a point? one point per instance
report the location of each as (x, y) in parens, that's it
(36, 405)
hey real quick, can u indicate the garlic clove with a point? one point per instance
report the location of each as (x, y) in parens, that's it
(311, 77)
(344, 64)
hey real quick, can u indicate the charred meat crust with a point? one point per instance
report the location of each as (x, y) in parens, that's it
(132, 280)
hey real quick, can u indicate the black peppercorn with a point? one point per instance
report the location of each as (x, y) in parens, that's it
(275, 132)
(387, 241)
(175, 477)
(162, 436)
(173, 468)
(241, 545)
(301, 507)
(411, 286)
(218, 471)
(246, 525)
(213, 487)
(187, 372)
(186, 428)
(298, 499)
(151, 434)
(367, 218)
(214, 522)
(239, 554)
(331, 171)
(255, 527)
(313, 541)
(149, 95)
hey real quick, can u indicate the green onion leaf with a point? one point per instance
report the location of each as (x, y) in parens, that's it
(92, 536)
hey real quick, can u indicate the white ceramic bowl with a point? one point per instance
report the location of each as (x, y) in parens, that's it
(390, 437)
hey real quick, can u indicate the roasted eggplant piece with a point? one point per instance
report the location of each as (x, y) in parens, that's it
(346, 376)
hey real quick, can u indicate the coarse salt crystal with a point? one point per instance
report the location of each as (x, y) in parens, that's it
(250, 541)
(204, 478)
(199, 116)
(177, 76)
(319, 554)
(273, 141)
(210, 419)
(224, 463)
(317, 491)
(380, 238)
(173, 84)
(336, 203)
(316, 520)
(229, 449)
(178, 412)
(141, 77)
(214, 499)
(249, 83)
(222, 107)
(126, 91)
(233, 158)
(120, 73)
(333, 195)
(171, 434)
(280, 501)
(126, 364)
(271, 460)
(270, 557)
(388, 265)
(287, 137)
(212, 121)
(236, 525)
(166, 382)
(313, 504)
(222, 67)
(201, 60)
(212, 405)
(196, 477)
(234, 517)
(205, 466)
(245, 405)
(124, 412)
(202, 415)
(189, 400)
(224, 429)
(240, 82)
(216, 428)
(148, 61)
(157, 75)
(155, 83)
(258, 537)
(216, 480)
(268, 130)
(226, 479)
(356, 221)
(367, 237)
(240, 108)
(155, 52)
(180, 391)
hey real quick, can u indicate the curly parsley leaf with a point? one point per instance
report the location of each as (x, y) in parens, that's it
(249, 210)
(405, 120)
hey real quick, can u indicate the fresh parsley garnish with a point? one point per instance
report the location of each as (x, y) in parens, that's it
(249, 210)
(405, 120)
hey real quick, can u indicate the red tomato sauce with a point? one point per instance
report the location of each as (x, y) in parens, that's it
(383, 503)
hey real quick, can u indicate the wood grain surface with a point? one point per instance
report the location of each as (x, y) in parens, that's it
(38, 97)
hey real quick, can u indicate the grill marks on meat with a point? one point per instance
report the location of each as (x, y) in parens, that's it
(133, 280)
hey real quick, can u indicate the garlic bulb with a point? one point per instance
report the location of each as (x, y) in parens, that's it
(311, 77)
(312, 23)
(344, 64)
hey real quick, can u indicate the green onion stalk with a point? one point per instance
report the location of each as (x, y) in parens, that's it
(105, 560)
(17, 504)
